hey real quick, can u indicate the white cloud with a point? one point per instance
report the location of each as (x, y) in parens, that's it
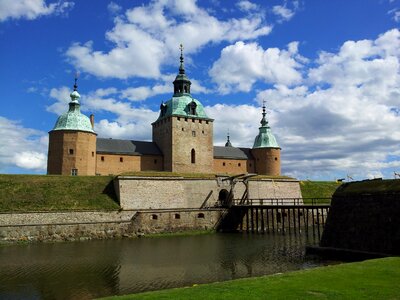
(148, 36)
(342, 119)
(62, 96)
(283, 12)
(252, 63)
(31, 160)
(31, 9)
(245, 5)
(396, 14)
(21, 146)
(114, 8)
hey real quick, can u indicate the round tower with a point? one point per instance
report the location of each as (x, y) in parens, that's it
(72, 142)
(266, 151)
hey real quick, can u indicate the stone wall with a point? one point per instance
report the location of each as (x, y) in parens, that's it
(64, 226)
(176, 192)
(172, 221)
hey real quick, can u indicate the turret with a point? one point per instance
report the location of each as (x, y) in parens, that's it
(72, 142)
(183, 131)
(266, 151)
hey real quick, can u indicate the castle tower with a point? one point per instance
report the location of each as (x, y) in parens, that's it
(266, 151)
(183, 131)
(72, 142)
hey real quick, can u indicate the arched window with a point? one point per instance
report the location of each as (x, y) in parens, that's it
(193, 156)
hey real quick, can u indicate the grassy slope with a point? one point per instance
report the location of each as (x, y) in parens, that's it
(373, 279)
(318, 189)
(47, 193)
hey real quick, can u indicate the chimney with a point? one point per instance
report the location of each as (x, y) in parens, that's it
(92, 120)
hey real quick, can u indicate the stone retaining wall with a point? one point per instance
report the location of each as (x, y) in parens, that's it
(136, 192)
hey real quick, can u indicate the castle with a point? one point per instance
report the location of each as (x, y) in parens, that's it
(182, 142)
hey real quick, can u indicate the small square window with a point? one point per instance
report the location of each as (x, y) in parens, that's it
(177, 216)
(223, 164)
(206, 122)
(102, 158)
(74, 172)
(239, 164)
(179, 118)
(71, 151)
(121, 159)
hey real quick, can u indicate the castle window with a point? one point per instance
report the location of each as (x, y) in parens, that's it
(92, 154)
(223, 164)
(121, 159)
(192, 108)
(193, 133)
(185, 88)
(200, 121)
(193, 120)
(71, 151)
(202, 131)
(155, 161)
(102, 158)
(177, 216)
(185, 119)
(183, 129)
(179, 118)
(239, 164)
(206, 122)
(200, 216)
(154, 217)
(74, 172)
(276, 158)
(193, 156)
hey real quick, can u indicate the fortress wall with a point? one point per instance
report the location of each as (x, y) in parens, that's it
(177, 192)
(65, 226)
(175, 221)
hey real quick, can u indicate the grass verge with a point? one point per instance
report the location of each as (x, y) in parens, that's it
(317, 189)
(52, 193)
(372, 279)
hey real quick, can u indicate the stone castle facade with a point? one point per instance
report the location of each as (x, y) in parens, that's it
(182, 141)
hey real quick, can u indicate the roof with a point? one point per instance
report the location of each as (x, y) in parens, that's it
(115, 146)
(180, 106)
(265, 138)
(232, 152)
(73, 119)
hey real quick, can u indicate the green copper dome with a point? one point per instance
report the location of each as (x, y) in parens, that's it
(265, 138)
(183, 106)
(74, 119)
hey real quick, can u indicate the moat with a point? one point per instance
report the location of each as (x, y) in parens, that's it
(89, 269)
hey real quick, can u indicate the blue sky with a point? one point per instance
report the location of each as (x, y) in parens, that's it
(328, 70)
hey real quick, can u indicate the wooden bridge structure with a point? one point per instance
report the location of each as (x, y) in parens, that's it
(270, 215)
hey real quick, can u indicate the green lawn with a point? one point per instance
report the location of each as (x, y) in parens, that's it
(372, 279)
(317, 189)
(50, 193)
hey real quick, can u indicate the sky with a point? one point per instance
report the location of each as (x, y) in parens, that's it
(328, 71)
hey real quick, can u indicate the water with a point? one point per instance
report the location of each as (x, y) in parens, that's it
(85, 270)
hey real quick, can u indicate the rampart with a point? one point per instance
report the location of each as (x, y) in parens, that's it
(135, 192)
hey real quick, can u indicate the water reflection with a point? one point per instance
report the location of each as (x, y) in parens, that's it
(84, 270)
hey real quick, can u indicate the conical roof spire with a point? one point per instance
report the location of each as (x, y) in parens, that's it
(181, 82)
(265, 138)
(181, 66)
(228, 142)
(264, 121)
